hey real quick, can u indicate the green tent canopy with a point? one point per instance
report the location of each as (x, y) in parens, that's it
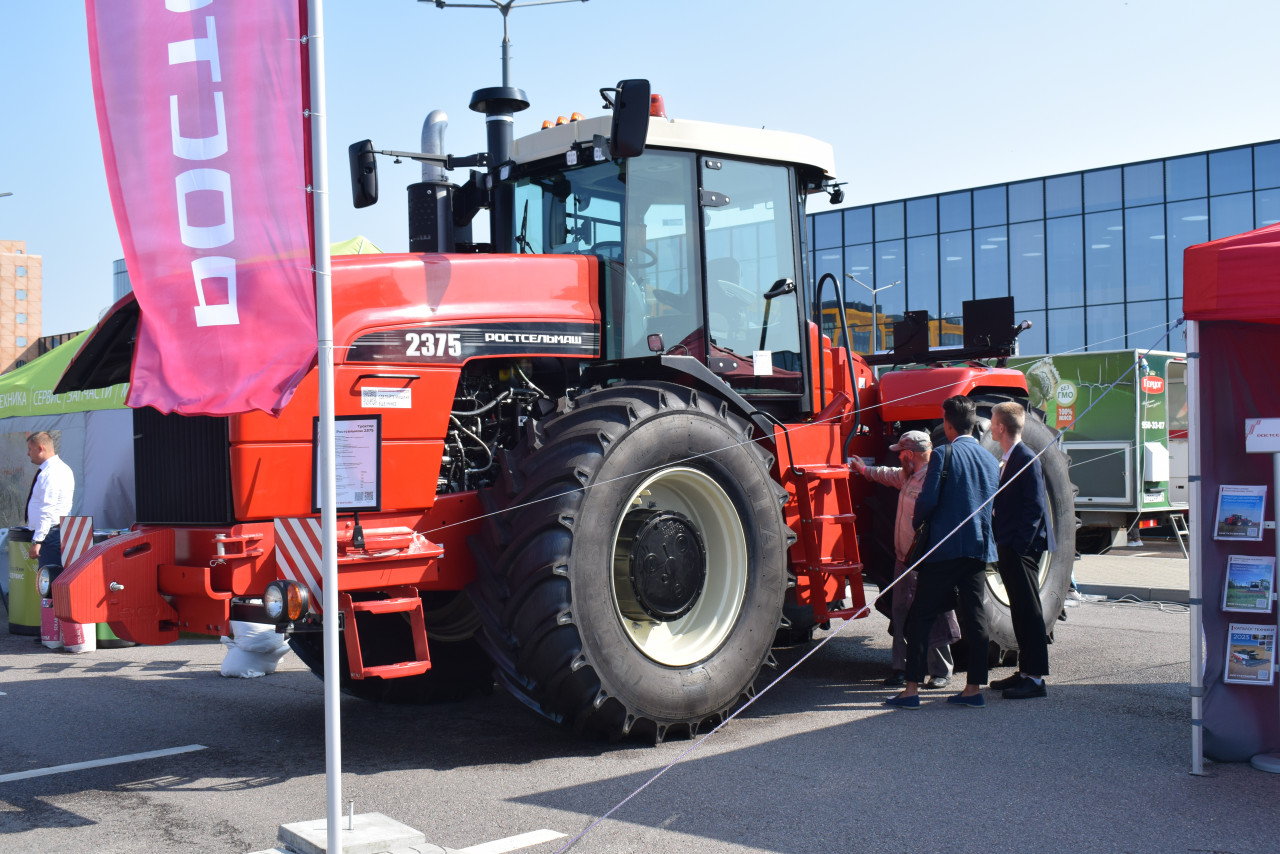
(29, 389)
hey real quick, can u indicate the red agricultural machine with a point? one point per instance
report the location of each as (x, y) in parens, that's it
(609, 456)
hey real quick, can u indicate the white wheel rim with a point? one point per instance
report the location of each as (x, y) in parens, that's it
(996, 583)
(696, 635)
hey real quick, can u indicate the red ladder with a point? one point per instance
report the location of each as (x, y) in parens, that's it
(817, 565)
(399, 600)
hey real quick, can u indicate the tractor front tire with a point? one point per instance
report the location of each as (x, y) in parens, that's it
(631, 575)
(1055, 566)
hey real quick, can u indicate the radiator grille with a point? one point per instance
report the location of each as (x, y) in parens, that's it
(182, 469)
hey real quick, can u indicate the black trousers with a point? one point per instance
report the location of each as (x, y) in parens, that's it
(935, 594)
(51, 547)
(1021, 576)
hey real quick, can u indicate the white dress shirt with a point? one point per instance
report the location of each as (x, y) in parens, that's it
(51, 498)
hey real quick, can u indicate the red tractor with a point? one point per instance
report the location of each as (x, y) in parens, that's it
(612, 445)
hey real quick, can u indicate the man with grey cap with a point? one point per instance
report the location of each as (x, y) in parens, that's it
(914, 448)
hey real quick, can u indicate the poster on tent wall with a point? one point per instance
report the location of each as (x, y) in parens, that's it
(200, 111)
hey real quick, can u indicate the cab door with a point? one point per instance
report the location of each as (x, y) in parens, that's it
(753, 307)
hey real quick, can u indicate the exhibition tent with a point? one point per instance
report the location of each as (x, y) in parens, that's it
(1231, 296)
(93, 432)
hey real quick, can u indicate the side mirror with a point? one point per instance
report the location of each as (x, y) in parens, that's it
(630, 118)
(364, 173)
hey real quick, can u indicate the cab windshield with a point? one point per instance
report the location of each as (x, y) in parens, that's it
(643, 218)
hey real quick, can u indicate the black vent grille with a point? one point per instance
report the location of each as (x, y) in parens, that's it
(182, 469)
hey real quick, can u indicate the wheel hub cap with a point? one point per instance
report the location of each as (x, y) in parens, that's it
(663, 563)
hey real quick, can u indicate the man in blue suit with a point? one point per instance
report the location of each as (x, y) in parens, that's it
(1021, 525)
(957, 504)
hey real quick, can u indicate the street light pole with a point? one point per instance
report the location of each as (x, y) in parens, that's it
(875, 321)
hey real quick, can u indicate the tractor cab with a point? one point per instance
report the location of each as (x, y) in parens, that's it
(699, 232)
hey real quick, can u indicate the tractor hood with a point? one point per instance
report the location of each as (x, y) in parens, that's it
(107, 356)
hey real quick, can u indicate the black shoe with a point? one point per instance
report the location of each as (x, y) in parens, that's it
(897, 680)
(1007, 682)
(1026, 690)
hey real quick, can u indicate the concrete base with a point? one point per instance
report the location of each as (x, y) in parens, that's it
(371, 833)
(1266, 762)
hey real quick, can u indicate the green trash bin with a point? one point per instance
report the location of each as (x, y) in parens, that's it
(24, 596)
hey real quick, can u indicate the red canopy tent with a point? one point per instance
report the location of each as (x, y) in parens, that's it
(1231, 295)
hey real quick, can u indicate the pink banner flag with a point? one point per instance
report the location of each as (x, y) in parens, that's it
(200, 109)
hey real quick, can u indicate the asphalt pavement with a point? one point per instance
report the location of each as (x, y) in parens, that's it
(816, 764)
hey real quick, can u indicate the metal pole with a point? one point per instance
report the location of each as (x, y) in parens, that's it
(1196, 518)
(328, 477)
(874, 319)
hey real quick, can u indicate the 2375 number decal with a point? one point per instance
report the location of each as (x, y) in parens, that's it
(433, 344)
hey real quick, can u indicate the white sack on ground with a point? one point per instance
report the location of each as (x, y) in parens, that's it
(254, 650)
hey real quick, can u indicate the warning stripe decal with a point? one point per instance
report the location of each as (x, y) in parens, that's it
(298, 553)
(77, 537)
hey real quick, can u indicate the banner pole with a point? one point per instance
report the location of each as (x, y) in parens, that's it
(1195, 552)
(328, 476)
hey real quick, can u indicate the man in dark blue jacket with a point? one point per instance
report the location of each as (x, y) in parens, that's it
(1021, 525)
(957, 505)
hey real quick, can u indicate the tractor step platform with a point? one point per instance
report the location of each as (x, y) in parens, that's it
(398, 600)
(828, 554)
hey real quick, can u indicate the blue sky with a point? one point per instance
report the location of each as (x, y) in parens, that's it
(916, 97)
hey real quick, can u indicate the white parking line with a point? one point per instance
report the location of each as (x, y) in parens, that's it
(513, 843)
(98, 763)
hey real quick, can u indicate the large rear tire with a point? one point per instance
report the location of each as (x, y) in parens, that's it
(1055, 566)
(630, 579)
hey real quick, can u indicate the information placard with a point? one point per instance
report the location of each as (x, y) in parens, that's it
(1249, 583)
(357, 463)
(1241, 510)
(1250, 654)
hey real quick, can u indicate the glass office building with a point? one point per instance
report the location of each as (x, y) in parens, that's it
(1093, 259)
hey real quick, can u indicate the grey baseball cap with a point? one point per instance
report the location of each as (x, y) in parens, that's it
(913, 440)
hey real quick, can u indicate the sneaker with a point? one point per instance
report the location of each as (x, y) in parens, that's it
(937, 681)
(897, 680)
(973, 701)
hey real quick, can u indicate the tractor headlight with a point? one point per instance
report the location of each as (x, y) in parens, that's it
(286, 601)
(44, 582)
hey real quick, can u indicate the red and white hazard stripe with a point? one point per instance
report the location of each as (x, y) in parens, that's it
(77, 537)
(299, 555)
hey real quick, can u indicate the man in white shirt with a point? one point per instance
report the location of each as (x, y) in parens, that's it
(49, 500)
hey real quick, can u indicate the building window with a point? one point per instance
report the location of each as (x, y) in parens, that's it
(1230, 171)
(1186, 178)
(989, 206)
(889, 221)
(1102, 190)
(1143, 184)
(20, 271)
(21, 294)
(826, 230)
(1026, 201)
(922, 216)
(22, 340)
(857, 226)
(954, 211)
(1062, 195)
(22, 318)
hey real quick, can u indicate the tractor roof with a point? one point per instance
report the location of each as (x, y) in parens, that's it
(689, 135)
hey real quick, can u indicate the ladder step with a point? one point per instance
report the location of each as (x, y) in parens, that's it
(835, 567)
(388, 606)
(825, 472)
(838, 518)
(395, 671)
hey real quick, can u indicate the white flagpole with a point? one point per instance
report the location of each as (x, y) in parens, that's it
(328, 477)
